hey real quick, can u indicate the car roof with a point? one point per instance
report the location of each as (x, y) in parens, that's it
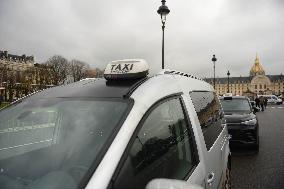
(165, 84)
(90, 88)
(171, 82)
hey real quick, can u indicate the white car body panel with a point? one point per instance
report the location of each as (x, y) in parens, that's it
(272, 99)
(144, 98)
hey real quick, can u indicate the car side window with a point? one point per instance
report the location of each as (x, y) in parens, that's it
(164, 147)
(210, 115)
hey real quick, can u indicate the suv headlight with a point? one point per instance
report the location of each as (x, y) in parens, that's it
(250, 122)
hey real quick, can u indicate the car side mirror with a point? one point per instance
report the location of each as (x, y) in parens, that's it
(170, 184)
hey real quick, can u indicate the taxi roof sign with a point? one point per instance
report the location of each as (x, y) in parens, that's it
(228, 94)
(126, 69)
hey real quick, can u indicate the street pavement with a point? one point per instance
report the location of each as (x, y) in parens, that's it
(265, 169)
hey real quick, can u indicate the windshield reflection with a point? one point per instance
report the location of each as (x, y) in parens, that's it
(236, 105)
(54, 142)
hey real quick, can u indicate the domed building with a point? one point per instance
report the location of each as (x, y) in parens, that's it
(256, 83)
(256, 69)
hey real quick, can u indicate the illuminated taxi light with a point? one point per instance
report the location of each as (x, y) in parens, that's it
(126, 69)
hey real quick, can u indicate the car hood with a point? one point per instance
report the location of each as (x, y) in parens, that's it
(237, 117)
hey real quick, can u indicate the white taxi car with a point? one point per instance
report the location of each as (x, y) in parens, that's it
(128, 130)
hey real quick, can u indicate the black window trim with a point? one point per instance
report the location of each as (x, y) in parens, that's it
(192, 137)
(138, 128)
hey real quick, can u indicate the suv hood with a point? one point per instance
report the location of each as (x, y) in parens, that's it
(233, 117)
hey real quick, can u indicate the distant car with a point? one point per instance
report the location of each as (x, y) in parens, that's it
(272, 99)
(241, 121)
(120, 132)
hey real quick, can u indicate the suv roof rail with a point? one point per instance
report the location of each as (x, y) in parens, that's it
(167, 71)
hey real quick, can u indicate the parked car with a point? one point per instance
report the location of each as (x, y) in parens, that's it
(272, 99)
(119, 132)
(241, 121)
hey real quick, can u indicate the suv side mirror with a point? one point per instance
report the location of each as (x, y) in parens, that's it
(170, 184)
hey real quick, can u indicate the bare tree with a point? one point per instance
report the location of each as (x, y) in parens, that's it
(94, 73)
(100, 73)
(4, 78)
(11, 82)
(59, 67)
(44, 75)
(3, 73)
(78, 69)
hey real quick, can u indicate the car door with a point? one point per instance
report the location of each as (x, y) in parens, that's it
(163, 146)
(212, 123)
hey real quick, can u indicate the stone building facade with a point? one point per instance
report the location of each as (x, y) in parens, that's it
(258, 82)
(16, 62)
(20, 75)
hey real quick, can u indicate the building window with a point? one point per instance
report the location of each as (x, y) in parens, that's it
(255, 86)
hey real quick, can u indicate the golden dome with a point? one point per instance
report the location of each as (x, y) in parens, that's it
(257, 68)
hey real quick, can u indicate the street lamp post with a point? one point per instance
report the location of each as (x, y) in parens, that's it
(214, 59)
(228, 74)
(5, 83)
(163, 11)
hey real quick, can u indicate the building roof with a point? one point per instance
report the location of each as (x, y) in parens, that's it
(275, 78)
(241, 79)
(224, 80)
(15, 58)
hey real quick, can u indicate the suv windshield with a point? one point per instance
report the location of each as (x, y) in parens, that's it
(236, 105)
(54, 142)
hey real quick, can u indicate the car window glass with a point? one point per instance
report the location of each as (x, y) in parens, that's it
(236, 105)
(210, 115)
(55, 137)
(163, 148)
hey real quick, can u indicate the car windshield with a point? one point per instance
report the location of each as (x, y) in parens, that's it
(236, 105)
(55, 143)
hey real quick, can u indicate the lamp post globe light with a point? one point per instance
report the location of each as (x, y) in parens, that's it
(163, 11)
(228, 74)
(214, 59)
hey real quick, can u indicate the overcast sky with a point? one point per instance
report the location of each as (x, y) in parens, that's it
(98, 31)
